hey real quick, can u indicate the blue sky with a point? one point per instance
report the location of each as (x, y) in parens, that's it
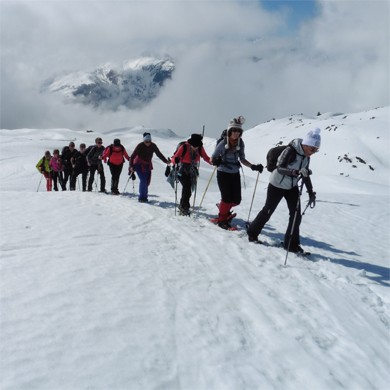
(298, 11)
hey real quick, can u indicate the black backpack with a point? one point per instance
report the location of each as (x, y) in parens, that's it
(273, 155)
(184, 143)
(223, 136)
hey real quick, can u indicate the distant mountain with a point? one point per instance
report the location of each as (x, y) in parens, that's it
(135, 85)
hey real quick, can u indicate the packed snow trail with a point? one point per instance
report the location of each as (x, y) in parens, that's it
(118, 294)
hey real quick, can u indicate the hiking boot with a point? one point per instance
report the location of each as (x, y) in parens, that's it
(143, 200)
(253, 238)
(296, 249)
(224, 225)
(184, 211)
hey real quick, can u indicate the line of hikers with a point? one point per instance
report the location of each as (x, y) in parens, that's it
(290, 166)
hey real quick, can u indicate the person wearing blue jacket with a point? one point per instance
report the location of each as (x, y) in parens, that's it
(228, 155)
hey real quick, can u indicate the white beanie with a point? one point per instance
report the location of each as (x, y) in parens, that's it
(312, 138)
(236, 123)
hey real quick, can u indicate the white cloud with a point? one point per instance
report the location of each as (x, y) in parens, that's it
(338, 61)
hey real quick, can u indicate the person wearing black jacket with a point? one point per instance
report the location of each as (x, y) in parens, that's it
(79, 163)
(292, 165)
(94, 160)
(68, 152)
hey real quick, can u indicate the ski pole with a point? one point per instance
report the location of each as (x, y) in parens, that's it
(254, 192)
(196, 186)
(174, 167)
(207, 187)
(40, 182)
(294, 220)
(198, 168)
(126, 184)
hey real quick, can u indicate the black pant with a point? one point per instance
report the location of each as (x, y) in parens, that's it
(73, 178)
(274, 196)
(230, 186)
(116, 171)
(186, 182)
(67, 174)
(57, 176)
(92, 170)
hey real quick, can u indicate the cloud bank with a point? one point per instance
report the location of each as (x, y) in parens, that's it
(231, 59)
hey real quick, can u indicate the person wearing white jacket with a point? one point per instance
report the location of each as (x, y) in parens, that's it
(293, 163)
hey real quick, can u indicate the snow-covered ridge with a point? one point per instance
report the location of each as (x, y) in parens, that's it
(103, 292)
(133, 85)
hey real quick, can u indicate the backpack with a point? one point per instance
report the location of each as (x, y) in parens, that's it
(223, 136)
(273, 155)
(184, 143)
(122, 150)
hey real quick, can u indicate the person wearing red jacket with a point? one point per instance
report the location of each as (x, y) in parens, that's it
(115, 155)
(186, 158)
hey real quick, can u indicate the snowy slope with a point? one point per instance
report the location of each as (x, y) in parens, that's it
(103, 292)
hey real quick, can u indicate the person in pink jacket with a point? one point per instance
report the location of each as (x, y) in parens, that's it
(115, 155)
(56, 166)
(186, 159)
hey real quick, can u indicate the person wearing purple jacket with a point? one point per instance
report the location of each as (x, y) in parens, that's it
(141, 162)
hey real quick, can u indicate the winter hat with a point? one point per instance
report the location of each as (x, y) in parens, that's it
(236, 123)
(147, 137)
(312, 138)
(117, 142)
(195, 140)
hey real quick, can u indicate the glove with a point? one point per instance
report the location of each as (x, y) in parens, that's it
(312, 200)
(304, 172)
(177, 160)
(217, 161)
(133, 176)
(167, 171)
(257, 167)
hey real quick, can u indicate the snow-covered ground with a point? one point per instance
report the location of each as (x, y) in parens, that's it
(102, 292)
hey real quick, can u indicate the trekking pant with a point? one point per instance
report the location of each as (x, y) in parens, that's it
(230, 186)
(144, 176)
(274, 196)
(49, 181)
(67, 174)
(186, 182)
(73, 178)
(116, 171)
(57, 176)
(92, 170)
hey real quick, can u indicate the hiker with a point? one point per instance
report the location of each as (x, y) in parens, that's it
(80, 165)
(44, 168)
(293, 163)
(94, 161)
(56, 166)
(141, 162)
(115, 156)
(67, 153)
(186, 159)
(228, 156)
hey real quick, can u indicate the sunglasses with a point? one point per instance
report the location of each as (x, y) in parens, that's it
(312, 149)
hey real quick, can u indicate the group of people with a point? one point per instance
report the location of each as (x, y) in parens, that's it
(228, 157)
